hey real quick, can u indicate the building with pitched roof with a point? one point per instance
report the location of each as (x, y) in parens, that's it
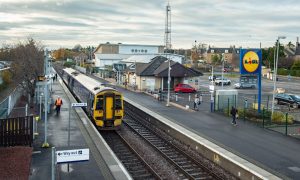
(231, 55)
(154, 75)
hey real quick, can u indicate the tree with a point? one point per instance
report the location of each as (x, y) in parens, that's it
(27, 64)
(296, 65)
(77, 48)
(290, 44)
(216, 59)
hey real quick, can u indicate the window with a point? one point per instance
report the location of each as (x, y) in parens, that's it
(118, 104)
(99, 104)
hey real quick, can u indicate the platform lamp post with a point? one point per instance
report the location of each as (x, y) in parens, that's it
(169, 81)
(222, 69)
(275, 72)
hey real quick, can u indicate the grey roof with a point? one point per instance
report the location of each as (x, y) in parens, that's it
(222, 50)
(297, 50)
(177, 70)
(152, 66)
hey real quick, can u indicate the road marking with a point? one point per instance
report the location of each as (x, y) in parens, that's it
(295, 169)
(36, 152)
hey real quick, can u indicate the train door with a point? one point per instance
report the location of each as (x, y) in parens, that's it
(109, 107)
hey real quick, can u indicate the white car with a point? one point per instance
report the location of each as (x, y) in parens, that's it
(240, 86)
(219, 81)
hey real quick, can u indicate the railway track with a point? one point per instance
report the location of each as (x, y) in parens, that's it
(134, 164)
(186, 165)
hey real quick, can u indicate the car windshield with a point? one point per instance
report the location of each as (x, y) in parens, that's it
(296, 97)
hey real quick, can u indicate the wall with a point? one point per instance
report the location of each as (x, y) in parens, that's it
(138, 49)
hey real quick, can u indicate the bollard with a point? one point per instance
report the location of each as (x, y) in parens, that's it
(228, 107)
(263, 117)
(189, 96)
(26, 109)
(176, 97)
(268, 103)
(255, 102)
(286, 123)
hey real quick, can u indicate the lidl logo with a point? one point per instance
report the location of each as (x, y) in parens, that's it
(251, 61)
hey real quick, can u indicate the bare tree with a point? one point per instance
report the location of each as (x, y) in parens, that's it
(27, 64)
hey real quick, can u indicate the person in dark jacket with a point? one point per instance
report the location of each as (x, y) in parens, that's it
(233, 114)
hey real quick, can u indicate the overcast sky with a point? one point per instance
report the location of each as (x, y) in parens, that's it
(221, 23)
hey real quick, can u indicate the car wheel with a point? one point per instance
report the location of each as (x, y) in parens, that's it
(228, 83)
(252, 87)
(294, 105)
(276, 101)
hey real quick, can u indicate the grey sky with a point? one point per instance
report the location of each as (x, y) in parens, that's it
(221, 23)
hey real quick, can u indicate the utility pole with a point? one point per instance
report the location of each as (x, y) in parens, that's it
(168, 46)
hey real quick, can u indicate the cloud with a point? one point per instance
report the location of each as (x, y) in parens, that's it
(218, 22)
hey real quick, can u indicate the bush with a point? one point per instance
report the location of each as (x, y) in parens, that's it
(279, 118)
(282, 71)
(69, 64)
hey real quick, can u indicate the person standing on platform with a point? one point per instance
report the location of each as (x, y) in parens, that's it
(58, 103)
(233, 113)
(55, 76)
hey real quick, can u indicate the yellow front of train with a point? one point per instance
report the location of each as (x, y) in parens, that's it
(108, 110)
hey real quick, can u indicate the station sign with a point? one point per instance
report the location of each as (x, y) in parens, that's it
(74, 155)
(79, 104)
(250, 61)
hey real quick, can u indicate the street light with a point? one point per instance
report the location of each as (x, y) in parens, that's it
(169, 81)
(222, 69)
(275, 72)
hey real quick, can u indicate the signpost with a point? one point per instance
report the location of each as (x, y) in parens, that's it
(250, 63)
(73, 105)
(68, 156)
(73, 155)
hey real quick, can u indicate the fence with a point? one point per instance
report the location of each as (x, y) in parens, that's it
(7, 104)
(285, 119)
(16, 131)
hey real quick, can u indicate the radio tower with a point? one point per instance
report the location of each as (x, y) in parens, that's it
(168, 28)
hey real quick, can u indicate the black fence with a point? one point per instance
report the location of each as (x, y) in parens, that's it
(16, 131)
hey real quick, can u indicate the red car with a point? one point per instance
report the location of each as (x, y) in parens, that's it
(184, 88)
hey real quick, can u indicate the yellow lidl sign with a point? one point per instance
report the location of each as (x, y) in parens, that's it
(250, 61)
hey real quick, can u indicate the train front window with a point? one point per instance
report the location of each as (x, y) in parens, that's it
(118, 102)
(99, 104)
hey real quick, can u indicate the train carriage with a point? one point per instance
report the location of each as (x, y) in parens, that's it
(104, 104)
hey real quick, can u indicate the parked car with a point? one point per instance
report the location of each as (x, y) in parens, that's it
(184, 88)
(219, 81)
(241, 86)
(280, 90)
(289, 99)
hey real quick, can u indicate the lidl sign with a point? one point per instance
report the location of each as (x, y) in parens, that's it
(250, 61)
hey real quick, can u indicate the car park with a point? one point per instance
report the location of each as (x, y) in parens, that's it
(242, 86)
(289, 99)
(185, 88)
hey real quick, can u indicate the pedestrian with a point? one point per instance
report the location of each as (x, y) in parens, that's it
(196, 102)
(159, 95)
(58, 103)
(233, 113)
(56, 76)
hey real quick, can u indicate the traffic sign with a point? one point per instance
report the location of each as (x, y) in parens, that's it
(73, 155)
(79, 104)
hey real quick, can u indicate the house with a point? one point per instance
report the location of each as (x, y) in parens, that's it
(231, 55)
(154, 75)
(81, 58)
(4, 66)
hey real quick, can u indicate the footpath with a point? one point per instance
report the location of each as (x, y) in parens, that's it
(57, 136)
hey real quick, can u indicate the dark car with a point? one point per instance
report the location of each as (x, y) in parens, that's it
(184, 88)
(289, 99)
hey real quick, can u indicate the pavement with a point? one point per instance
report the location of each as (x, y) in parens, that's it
(270, 150)
(57, 136)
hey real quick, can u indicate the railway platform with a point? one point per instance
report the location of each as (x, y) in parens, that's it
(58, 137)
(267, 149)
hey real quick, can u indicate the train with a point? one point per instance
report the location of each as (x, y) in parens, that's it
(105, 106)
